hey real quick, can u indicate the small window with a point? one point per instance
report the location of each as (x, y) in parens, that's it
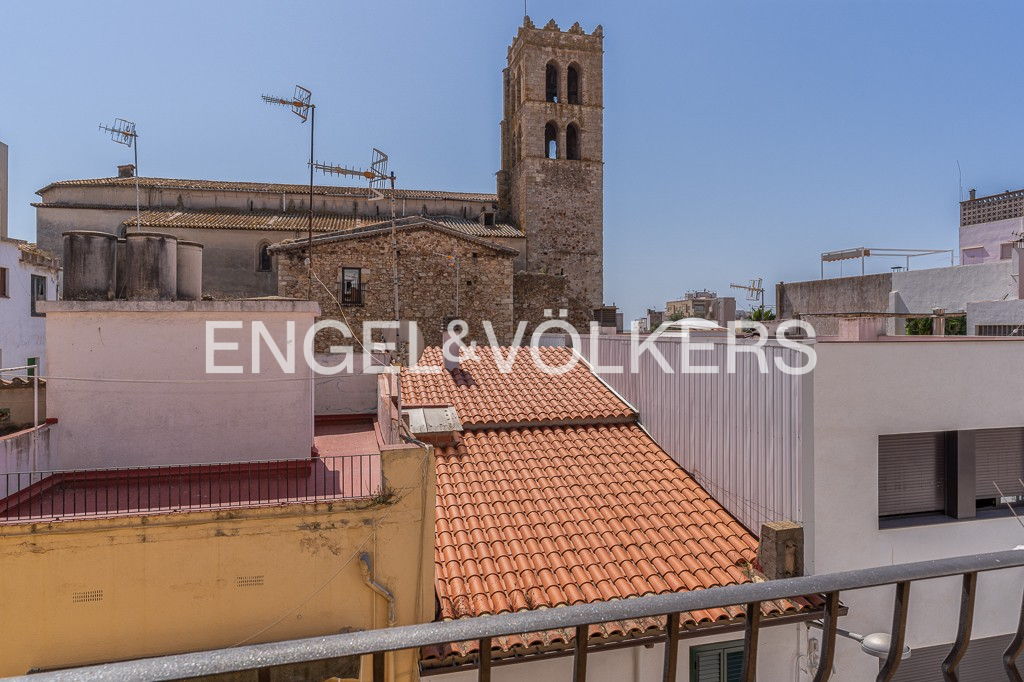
(38, 292)
(551, 82)
(4, 291)
(264, 261)
(572, 83)
(351, 286)
(1006, 251)
(722, 662)
(488, 218)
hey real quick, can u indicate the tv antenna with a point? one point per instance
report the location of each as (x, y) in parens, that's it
(755, 290)
(379, 177)
(123, 132)
(301, 104)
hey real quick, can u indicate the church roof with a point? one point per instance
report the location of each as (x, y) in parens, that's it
(272, 187)
(298, 221)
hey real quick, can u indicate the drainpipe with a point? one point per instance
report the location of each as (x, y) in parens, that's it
(366, 568)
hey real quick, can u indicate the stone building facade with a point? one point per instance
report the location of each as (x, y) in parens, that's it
(443, 274)
(548, 208)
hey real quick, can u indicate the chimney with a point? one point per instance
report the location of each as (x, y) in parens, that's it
(126, 171)
(780, 553)
(974, 193)
(450, 344)
(861, 328)
(3, 191)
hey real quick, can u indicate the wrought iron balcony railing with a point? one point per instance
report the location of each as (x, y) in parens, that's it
(376, 642)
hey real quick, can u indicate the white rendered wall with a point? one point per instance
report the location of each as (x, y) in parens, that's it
(863, 390)
(982, 243)
(129, 387)
(777, 661)
(22, 336)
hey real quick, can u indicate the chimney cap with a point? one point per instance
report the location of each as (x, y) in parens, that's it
(126, 170)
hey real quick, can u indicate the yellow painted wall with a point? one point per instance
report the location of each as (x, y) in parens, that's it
(85, 591)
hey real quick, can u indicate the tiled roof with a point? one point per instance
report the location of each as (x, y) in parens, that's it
(246, 220)
(215, 185)
(406, 224)
(574, 504)
(298, 220)
(483, 395)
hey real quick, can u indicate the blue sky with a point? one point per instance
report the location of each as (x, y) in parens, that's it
(741, 138)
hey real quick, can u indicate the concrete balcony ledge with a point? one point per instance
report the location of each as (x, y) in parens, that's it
(251, 305)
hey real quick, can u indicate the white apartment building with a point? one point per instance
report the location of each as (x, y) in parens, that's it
(890, 451)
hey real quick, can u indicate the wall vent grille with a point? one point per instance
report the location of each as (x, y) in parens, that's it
(249, 581)
(86, 595)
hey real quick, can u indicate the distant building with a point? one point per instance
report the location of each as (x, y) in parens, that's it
(27, 274)
(703, 304)
(215, 500)
(548, 206)
(990, 225)
(893, 449)
(988, 293)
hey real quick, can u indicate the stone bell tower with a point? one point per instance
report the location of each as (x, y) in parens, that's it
(551, 182)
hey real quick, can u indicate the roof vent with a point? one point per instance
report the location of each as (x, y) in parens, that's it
(126, 171)
(434, 425)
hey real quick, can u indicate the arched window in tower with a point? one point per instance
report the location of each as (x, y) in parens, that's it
(551, 140)
(572, 142)
(572, 84)
(551, 82)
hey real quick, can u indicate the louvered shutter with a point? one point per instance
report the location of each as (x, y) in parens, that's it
(734, 666)
(911, 473)
(999, 459)
(982, 663)
(709, 666)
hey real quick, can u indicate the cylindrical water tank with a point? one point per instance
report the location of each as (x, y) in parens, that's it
(190, 271)
(121, 269)
(152, 266)
(88, 265)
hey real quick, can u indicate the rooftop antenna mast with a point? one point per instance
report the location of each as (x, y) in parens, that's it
(123, 132)
(755, 290)
(301, 104)
(379, 177)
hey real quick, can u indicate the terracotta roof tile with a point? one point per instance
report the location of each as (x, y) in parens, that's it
(484, 395)
(538, 560)
(556, 496)
(298, 221)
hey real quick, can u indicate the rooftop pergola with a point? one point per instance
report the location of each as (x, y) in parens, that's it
(863, 253)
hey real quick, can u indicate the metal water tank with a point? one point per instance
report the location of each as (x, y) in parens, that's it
(152, 259)
(190, 271)
(89, 265)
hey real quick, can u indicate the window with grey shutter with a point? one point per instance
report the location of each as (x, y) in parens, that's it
(911, 473)
(999, 460)
(722, 662)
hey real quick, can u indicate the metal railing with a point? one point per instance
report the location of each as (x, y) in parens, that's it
(485, 629)
(131, 490)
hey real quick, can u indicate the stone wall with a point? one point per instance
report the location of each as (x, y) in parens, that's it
(427, 283)
(868, 293)
(557, 202)
(535, 292)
